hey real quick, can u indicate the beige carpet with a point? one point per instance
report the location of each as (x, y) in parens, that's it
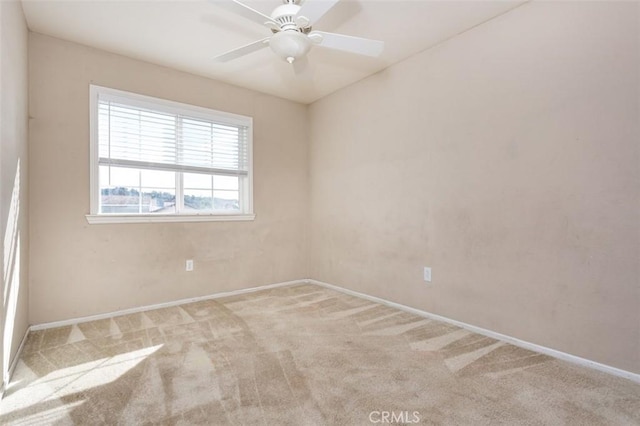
(299, 355)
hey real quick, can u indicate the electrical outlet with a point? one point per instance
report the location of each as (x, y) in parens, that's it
(427, 274)
(189, 265)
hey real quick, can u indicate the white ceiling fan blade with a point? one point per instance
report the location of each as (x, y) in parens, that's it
(246, 12)
(241, 51)
(361, 46)
(315, 9)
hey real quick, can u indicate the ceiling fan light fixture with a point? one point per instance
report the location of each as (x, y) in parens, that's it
(290, 45)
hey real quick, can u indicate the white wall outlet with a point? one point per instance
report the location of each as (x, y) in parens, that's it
(189, 265)
(427, 274)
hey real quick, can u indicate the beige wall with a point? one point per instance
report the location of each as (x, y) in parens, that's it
(79, 269)
(13, 179)
(507, 159)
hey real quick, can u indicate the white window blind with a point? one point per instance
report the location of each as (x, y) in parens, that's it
(142, 137)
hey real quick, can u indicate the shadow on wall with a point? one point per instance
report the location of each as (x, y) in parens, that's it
(11, 278)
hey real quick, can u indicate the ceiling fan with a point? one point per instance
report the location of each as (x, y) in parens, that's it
(293, 35)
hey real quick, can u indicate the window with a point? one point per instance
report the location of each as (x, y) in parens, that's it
(156, 160)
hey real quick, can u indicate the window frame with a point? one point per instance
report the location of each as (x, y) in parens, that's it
(95, 217)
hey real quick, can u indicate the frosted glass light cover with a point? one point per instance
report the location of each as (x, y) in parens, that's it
(290, 45)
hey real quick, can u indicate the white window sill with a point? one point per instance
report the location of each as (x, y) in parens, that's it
(152, 218)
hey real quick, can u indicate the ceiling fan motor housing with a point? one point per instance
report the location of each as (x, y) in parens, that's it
(285, 15)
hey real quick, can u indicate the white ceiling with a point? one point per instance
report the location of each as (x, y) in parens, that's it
(187, 34)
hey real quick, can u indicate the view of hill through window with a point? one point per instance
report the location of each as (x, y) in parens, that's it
(128, 190)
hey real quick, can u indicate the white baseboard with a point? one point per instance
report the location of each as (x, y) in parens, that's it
(498, 336)
(16, 357)
(14, 363)
(502, 337)
(73, 321)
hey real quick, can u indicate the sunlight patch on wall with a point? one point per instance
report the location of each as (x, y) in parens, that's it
(11, 233)
(11, 274)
